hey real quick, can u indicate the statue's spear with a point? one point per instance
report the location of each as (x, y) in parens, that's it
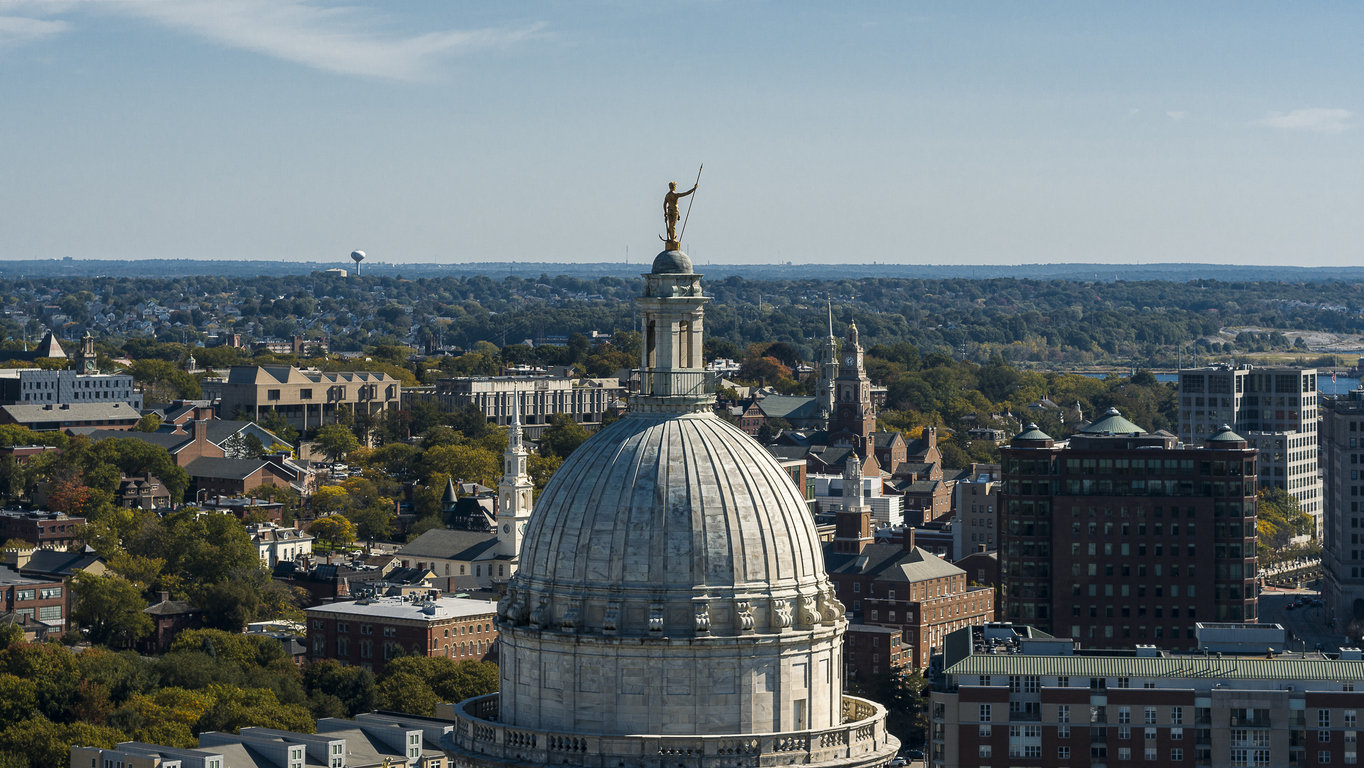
(689, 202)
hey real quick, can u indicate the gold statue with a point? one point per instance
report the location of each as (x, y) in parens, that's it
(670, 210)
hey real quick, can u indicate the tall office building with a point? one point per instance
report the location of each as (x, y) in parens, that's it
(1342, 445)
(1274, 408)
(1120, 538)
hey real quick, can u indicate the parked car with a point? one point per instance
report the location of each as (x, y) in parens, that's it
(898, 762)
(915, 754)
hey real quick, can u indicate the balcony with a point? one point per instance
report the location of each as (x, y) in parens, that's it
(477, 737)
(671, 388)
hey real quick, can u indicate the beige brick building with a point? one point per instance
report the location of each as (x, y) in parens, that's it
(306, 399)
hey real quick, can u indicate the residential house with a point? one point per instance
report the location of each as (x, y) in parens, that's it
(277, 545)
(145, 492)
(169, 618)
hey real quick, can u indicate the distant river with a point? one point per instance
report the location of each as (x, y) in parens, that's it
(1340, 386)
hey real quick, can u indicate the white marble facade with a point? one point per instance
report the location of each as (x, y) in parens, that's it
(671, 608)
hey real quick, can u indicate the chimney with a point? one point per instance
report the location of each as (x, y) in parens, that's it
(908, 541)
(200, 433)
(165, 597)
(931, 436)
(343, 587)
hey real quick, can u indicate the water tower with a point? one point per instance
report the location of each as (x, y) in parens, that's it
(357, 257)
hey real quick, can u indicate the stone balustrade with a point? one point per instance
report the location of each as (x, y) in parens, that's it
(478, 739)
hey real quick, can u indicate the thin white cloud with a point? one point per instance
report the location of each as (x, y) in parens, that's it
(19, 29)
(1312, 120)
(343, 39)
(1176, 116)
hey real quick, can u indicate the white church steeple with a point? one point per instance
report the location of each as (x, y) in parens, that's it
(515, 489)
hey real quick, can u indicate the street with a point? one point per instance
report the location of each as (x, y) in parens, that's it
(1307, 624)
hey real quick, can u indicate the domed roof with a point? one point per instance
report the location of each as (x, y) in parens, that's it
(1112, 422)
(672, 262)
(1224, 434)
(1032, 432)
(664, 503)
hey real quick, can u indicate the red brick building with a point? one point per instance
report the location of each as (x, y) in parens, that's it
(904, 587)
(169, 618)
(1122, 537)
(365, 633)
(1007, 696)
(870, 650)
(47, 530)
(32, 598)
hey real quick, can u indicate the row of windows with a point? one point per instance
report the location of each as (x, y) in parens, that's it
(44, 593)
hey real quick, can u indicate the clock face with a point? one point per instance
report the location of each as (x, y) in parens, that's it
(506, 528)
(849, 360)
(89, 365)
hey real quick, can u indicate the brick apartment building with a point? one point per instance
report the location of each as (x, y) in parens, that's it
(1003, 695)
(366, 633)
(899, 585)
(46, 530)
(871, 649)
(1121, 537)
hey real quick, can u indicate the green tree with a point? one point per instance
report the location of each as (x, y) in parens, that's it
(336, 441)
(336, 530)
(562, 436)
(110, 609)
(465, 462)
(373, 522)
(229, 605)
(53, 670)
(46, 744)
(352, 687)
(18, 698)
(149, 423)
(237, 708)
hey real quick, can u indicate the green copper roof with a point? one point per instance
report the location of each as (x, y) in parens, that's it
(1113, 422)
(1225, 435)
(1190, 667)
(1031, 432)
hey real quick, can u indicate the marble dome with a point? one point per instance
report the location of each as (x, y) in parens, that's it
(689, 505)
(670, 604)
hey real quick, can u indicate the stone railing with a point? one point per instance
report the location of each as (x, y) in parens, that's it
(477, 738)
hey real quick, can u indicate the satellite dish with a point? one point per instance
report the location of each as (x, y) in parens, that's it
(357, 257)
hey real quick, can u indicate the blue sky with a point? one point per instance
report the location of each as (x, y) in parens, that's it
(954, 132)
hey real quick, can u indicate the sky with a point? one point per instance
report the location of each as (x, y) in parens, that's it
(898, 132)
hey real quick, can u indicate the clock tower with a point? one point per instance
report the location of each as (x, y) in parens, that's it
(86, 359)
(854, 417)
(515, 489)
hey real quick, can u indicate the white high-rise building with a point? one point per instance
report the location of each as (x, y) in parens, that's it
(1274, 408)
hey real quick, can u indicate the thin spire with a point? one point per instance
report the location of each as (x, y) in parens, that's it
(514, 443)
(831, 317)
